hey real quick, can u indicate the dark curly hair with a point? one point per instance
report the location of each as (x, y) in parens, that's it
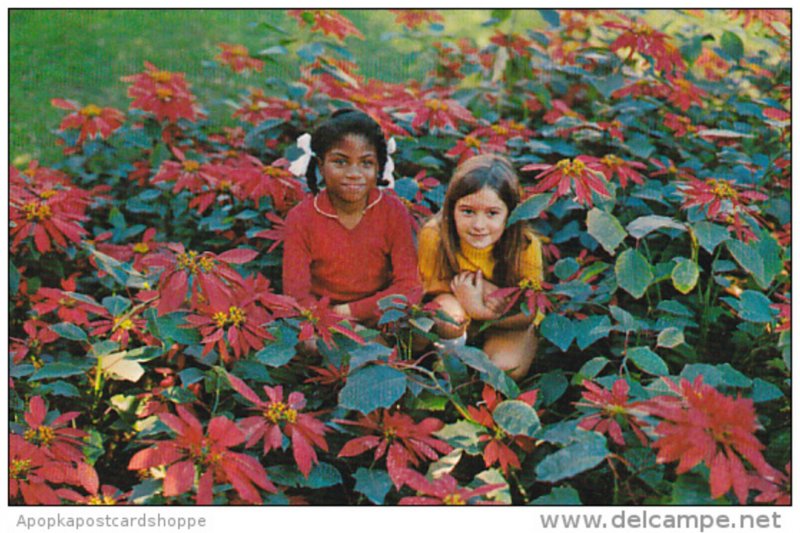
(344, 122)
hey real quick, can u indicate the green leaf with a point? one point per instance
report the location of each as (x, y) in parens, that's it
(685, 275)
(558, 329)
(559, 496)
(69, 331)
(760, 258)
(648, 361)
(367, 353)
(670, 338)
(755, 307)
(13, 278)
(374, 484)
(710, 235)
(764, 391)
(58, 370)
(530, 208)
(276, 354)
(477, 359)
(120, 367)
(323, 475)
(493, 476)
(605, 229)
(373, 387)
(644, 225)
(116, 305)
(586, 453)
(634, 273)
(732, 46)
(552, 386)
(104, 348)
(590, 369)
(517, 418)
(170, 328)
(591, 329)
(462, 434)
(445, 464)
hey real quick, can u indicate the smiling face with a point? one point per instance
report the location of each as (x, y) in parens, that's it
(350, 171)
(480, 218)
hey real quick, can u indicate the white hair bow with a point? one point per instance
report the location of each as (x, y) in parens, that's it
(388, 168)
(299, 166)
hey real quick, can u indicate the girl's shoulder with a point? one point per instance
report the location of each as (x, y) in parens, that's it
(430, 236)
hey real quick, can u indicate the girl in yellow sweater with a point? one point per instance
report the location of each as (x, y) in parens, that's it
(466, 252)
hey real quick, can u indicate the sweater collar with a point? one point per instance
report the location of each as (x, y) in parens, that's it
(323, 205)
(472, 253)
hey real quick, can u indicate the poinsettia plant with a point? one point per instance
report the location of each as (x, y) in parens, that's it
(154, 359)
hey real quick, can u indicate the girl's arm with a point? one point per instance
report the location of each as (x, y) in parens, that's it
(474, 292)
(297, 260)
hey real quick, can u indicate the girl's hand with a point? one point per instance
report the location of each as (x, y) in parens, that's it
(343, 310)
(468, 288)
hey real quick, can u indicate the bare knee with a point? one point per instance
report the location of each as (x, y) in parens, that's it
(512, 352)
(454, 322)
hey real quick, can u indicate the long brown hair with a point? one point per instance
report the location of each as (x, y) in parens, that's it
(496, 173)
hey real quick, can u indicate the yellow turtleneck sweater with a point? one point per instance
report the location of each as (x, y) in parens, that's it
(471, 259)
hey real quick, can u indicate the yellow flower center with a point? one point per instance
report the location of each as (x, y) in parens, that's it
(359, 99)
(308, 315)
(641, 29)
(389, 433)
(500, 130)
(530, 284)
(164, 93)
(91, 110)
(220, 319)
(611, 161)
(434, 104)
(141, 248)
(37, 211)
(291, 105)
(190, 165)
(206, 264)
(236, 315)
(238, 51)
(273, 172)
(43, 435)
(615, 409)
(279, 411)
(254, 106)
(571, 167)
(454, 499)
(124, 324)
(49, 193)
(19, 468)
(722, 189)
(101, 500)
(160, 76)
(514, 125)
(472, 141)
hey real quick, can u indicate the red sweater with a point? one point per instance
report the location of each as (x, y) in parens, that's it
(356, 266)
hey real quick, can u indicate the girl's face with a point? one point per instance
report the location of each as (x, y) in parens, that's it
(480, 218)
(350, 170)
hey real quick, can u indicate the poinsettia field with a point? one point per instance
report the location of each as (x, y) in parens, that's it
(153, 356)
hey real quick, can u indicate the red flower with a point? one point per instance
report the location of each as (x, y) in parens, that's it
(641, 38)
(438, 112)
(395, 432)
(277, 417)
(643, 87)
(205, 273)
(259, 107)
(713, 66)
(30, 473)
(685, 94)
(472, 145)
(93, 121)
(578, 174)
(237, 57)
(680, 125)
(498, 447)
(559, 110)
(209, 455)
(165, 94)
(534, 295)
(320, 320)
(257, 180)
(120, 328)
(39, 334)
(611, 405)
(666, 167)
(237, 322)
(445, 491)
(275, 233)
(69, 305)
(703, 425)
(328, 21)
(135, 252)
(412, 18)
(519, 45)
(44, 204)
(776, 489)
(97, 495)
(56, 438)
(718, 195)
(189, 174)
(611, 165)
(767, 17)
(784, 308)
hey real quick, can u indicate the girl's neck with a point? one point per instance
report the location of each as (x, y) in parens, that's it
(346, 209)
(468, 250)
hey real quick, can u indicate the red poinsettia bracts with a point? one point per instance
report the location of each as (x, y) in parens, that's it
(92, 121)
(611, 165)
(237, 57)
(498, 447)
(533, 293)
(207, 454)
(516, 43)
(31, 472)
(97, 495)
(207, 274)
(445, 491)
(720, 198)
(776, 489)
(258, 107)
(56, 438)
(580, 174)
(189, 174)
(611, 405)
(69, 305)
(164, 94)
(256, 180)
(135, 252)
(641, 38)
(278, 417)
(39, 335)
(328, 21)
(700, 424)
(318, 319)
(397, 436)
(437, 111)
(413, 18)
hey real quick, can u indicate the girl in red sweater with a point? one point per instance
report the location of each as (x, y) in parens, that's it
(351, 242)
